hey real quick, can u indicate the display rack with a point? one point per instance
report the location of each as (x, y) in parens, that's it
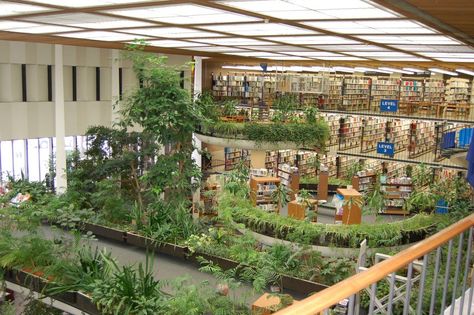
(397, 191)
(349, 132)
(384, 88)
(422, 139)
(373, 131)
(356, 93)
(261, 189)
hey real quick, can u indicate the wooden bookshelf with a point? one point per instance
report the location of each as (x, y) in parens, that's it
(411, 91)
(434, 91)
(334, 100)
(458, 90)
(261, 189)
(396, 194)
(356, 93)
(364, 181)
(373, 131)
(349, 132)
(422, 138)
(397, 132)
(383, 88)
(235, 156)
(289, 176)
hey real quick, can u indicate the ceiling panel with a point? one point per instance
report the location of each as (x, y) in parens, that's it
(87, 20)
(232, 41)
(172, 32)
(33, 28)
(85, 3)
(259, 29)
(372, 27)
(172, 43)
(312, 40)
(101, 35)
(11, 8)
(411, 39)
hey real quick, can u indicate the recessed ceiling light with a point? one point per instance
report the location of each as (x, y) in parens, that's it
(442, 71)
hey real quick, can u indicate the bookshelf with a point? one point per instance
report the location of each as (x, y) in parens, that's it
(421, 139)
(373, 131)
(411, 91)
(349, 132)
(458, 90)
(434, 91)
(356, 93)
(306, 162)
(383, 88)
(261, 189)
(397, 132)
(334, 100)
(234, 156)
(334, 126)
(289, 177)
(364, 181)
(397, 191)
(271, 160)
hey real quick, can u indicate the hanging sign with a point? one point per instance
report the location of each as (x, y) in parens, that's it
(388, 105)
(385, 148)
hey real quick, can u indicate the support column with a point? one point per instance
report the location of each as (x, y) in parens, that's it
(197, 89)
(61, 179)
(115, 89)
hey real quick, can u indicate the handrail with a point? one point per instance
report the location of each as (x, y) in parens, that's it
(324, 299)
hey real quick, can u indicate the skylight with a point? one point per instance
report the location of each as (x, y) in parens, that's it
(85, 3)
(172, 43)
(312, 40)
(411, 39)
(172, 32)
(259, 29)
(101, 35)
(233, 41)
(372, 27)
(87, 20)
(312, 53)
(183, 14)
(218, 49)
(10, 8)
(338, 48)
(377, 53)
(258, 54)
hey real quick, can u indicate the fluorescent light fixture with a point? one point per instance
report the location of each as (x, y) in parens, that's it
(437, 70)
(396, 70)
(416, 70)
(312, 40)
(259, 29)
(253, 68)
(10, 8)
(100, 35)
(343, 69)
(459, 60)
(365, 69)
(171, 32)
(469, 72)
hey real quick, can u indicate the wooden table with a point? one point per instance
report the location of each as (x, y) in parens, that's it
(354, 214)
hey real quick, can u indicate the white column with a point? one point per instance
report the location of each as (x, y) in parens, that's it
(61, 180)
(115, 89)
(196, 156)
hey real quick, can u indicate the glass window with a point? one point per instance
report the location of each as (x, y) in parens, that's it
(7, 159)
(44, 156)
(19, 159)
(33, 160)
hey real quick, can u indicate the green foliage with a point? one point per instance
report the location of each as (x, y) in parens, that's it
(284, 106)
(309, 135)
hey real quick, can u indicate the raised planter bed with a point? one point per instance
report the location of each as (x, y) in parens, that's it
(105, 231)
(85, 304)
(162, 248)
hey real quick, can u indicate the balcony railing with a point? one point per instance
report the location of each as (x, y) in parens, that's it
(434, 276)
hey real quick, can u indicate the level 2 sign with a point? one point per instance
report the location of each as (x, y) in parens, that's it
(385, 148)
(388, 105)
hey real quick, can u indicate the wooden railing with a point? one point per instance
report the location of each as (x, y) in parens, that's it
(321, 302)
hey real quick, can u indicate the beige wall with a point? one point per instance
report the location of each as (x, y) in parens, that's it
(35, 118)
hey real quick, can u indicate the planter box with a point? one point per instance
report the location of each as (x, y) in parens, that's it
(105, 232)
(161, 248)
(301, 286)
(84, 303)
(222, 262)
